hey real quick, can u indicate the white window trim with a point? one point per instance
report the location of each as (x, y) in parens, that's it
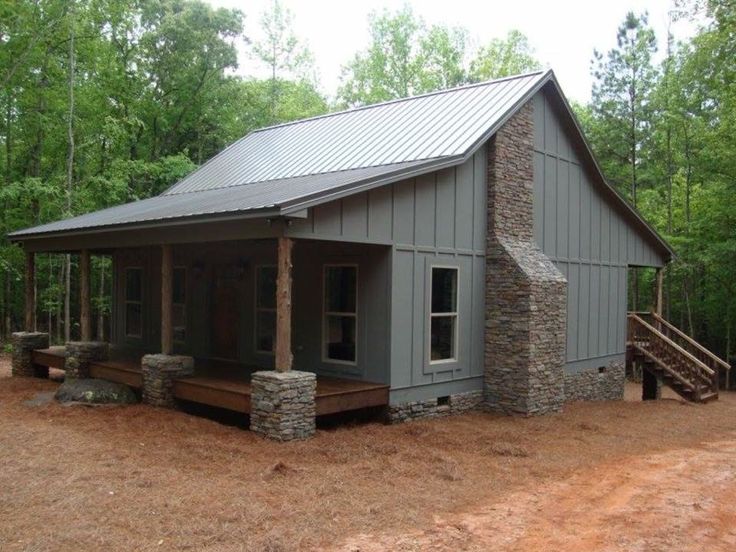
(184, 304)
(453, 314)
(258, 309)
(126, 301)
(326, 314)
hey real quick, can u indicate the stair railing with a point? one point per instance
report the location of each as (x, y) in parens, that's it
(671, 357)
(691, 346)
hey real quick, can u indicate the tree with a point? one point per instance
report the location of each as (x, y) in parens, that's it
(391, 66)
(284, 54)
(407, 57)
(504, 57)
(624, 79)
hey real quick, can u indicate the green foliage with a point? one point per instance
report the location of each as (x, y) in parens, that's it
(504, 57)
(155, 96)
(406, 57)
(669, 133)
(624, 79)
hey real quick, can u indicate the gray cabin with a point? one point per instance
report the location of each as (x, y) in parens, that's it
(430, 254)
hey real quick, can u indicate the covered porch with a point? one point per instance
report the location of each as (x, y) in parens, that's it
(224, 324)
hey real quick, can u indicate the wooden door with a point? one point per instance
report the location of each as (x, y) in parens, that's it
(225, 319)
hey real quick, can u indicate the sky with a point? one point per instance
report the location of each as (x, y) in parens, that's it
(563, 33)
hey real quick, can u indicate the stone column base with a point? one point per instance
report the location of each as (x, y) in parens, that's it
(79, 354)
(159, 372)
(283, 404)
(434, 408)
(24, 344)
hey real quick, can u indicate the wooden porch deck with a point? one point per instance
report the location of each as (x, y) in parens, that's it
(228, 385)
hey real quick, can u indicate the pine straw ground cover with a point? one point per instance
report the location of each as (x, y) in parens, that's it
(140, 478)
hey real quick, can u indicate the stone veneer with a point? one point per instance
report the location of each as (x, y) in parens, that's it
(596, 385)
(526, 296)
(159, 372)
(434, 408)
(24, 344)
(282, 404)
(79, 354)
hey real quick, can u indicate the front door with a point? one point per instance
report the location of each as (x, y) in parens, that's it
(225, 321)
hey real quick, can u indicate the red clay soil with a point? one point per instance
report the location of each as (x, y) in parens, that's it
(608, 476)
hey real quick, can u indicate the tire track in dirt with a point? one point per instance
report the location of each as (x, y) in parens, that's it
(680, 500)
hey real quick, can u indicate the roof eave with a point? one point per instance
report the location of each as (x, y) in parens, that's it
(21, 236)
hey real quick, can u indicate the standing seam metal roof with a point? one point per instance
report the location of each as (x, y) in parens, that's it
(283, 167)
(440, 124)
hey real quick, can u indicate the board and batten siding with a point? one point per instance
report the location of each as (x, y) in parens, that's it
(437, 219)
(588, 240)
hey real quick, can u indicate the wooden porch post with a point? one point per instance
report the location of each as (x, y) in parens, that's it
(85, 320)
(30, 292)
(283, 306)
(167, 274)
(659, 286)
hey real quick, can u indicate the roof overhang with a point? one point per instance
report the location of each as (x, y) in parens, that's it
(312, 190)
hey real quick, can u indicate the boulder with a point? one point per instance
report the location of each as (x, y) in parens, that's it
(94, 391)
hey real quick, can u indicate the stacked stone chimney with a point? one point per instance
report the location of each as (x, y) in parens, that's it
(526, 296)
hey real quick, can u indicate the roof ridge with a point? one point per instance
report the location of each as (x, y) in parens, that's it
(398, 100)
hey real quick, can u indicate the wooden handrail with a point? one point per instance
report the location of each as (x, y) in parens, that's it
(691, 341)
(673, 345)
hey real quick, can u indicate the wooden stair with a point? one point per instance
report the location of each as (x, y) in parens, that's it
(675, 358)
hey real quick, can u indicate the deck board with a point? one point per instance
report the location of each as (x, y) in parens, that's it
(227, 385)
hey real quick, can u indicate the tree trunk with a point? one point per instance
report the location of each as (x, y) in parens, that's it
(8, 305)
(69, 172)
(49, 310)
(100, 309)
(62, 270)
(67, 298)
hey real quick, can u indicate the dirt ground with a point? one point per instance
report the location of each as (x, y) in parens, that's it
(608, 476)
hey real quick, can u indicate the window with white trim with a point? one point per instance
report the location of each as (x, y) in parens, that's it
(443, 315)
(134, 302)
(266, 309)
(340, 321)
(179, 304)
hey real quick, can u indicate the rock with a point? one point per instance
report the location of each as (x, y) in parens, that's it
(95, 391)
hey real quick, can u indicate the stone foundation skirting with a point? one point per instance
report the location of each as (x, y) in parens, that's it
(283, 404)
(159, 372)
(434, 408)
(79, 354)
(596, 384)
(24, 344)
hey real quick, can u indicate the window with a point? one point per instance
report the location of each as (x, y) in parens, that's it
(443, 316)
(134, 302)
(179, 304)
(266, 309)
(340, 313)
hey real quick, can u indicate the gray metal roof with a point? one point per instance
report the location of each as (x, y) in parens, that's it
(258, 197)
(441, 124)
(285, 168)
